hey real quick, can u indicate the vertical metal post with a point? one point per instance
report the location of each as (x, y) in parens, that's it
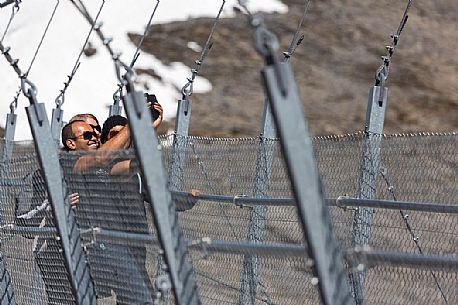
(362, 219)
(64, 218)
(6, 287)
(183, 117)
(116, 108)
(303, 172)
(10, 129)
(166, 219)
(261, 184)
(182, 121)
(56, 124)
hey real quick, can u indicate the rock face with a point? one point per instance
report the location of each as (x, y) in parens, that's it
(334, 66)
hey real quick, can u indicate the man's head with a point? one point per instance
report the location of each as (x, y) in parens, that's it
(89, 119)
(79, 135)
(112, 126)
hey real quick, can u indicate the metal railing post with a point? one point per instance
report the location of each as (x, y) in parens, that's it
(57, 124)
(362, 219)
(166, 219)
(6, 288)
(10, 129)
(261, 184)
(115, 108)
(64, 217)
(322, 249)
(182, 121)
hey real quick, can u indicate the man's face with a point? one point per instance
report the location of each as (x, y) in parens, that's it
(84, 137)
(93, 123)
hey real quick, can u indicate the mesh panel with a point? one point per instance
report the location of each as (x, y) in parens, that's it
(281, 280)
(401, 285)
(420, 167)
(117, 230)
(233, 167)
(120, 238)
(33, 259)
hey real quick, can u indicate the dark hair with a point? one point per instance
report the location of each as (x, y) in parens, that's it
(111, 122)
(67, 133)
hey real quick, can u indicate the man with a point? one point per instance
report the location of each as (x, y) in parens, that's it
(90, 119)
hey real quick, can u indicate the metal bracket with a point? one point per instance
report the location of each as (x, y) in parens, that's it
(298, 152)
(154, 176)
(183, 117)
(64, 217)
(267, 45)
(56, 123)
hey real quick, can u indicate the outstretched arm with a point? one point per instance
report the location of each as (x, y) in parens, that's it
(105, 153)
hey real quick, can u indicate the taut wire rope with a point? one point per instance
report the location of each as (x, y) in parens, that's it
(296, 41)
(61, 97)
(13, 105)
(107, 43)
(415, 238)
(14, 10)
(97, 27)
(27, 87)
(117, 95)
(137, 53)
(42, 37)
(382, 72)
(188, 88)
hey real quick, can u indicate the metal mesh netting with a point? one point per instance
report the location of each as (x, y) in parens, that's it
(283, 278)
(29, 242)
(242, 249)
(424, 167)
(401, 285)
(116, 227)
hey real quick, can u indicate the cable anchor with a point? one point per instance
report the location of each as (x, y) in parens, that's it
(267, 45)
(13, 105)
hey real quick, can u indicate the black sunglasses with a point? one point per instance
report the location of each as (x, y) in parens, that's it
(87, 135)
(96, 127)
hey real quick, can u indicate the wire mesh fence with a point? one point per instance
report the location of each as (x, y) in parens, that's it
(30, 244)
(238, 250)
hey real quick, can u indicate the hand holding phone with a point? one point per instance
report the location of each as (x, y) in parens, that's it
(151, 98)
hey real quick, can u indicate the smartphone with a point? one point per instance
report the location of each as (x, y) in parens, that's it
(152, 99)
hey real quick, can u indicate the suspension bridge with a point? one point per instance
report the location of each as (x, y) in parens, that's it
(283, 218)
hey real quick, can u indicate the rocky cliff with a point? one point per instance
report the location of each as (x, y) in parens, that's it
(334, 66)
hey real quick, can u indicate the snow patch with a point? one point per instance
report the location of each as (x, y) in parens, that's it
(95, 82)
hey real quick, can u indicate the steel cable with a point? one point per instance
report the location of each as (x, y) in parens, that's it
(415, 239)
(15, 9)
(188, 88)
(42, 38)
(137, 53)
(382, 72)
(106, 41)
(295, 42)
(61, 97)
